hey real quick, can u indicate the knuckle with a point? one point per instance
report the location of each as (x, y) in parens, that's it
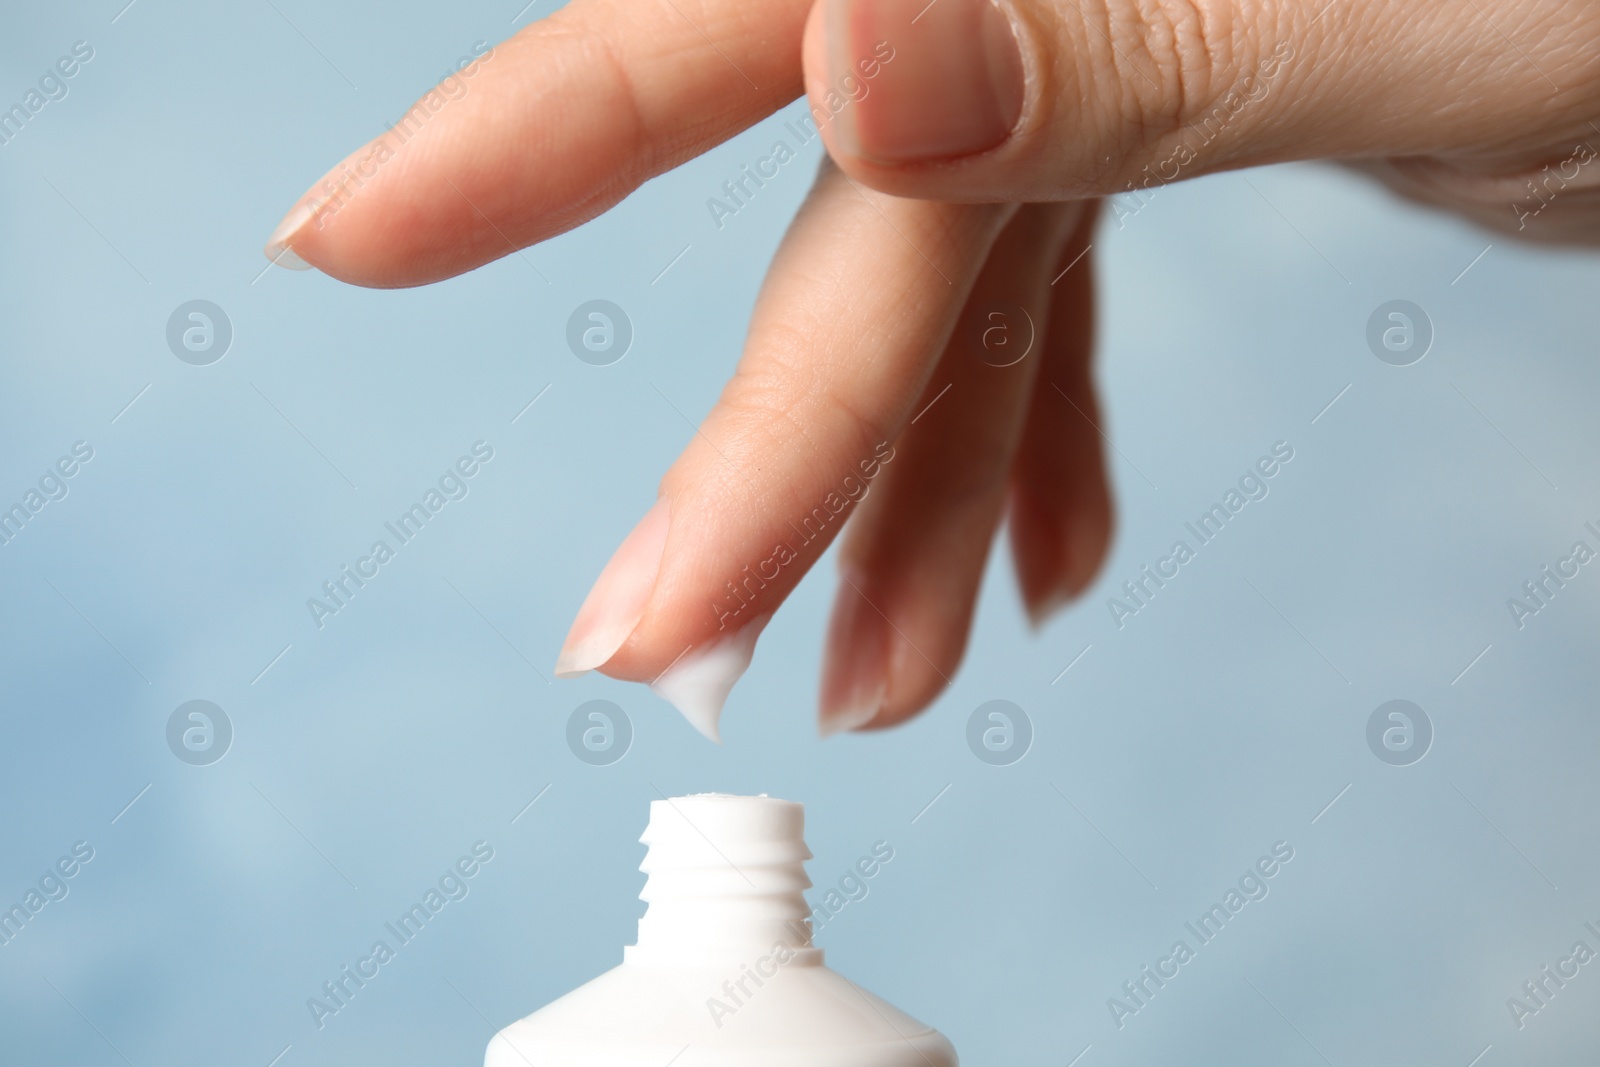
(608, 75)
(1178, 55)
(1158, 69)
(784, 422)
(793, 390)
(1567, 51)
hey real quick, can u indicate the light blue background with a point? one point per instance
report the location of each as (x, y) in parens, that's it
(376, 751)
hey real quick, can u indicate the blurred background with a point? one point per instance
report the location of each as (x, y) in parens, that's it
(237, 861)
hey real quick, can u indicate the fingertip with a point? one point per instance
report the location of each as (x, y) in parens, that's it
(1056, 552)
(1088, 535)
(845, 719)
(615, 604)
(855, 664)
(1035, 557)
(874, 676)
(280, 244)
(920, 672)
(1043, 609)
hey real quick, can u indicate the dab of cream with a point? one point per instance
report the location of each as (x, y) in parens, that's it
(699, 682)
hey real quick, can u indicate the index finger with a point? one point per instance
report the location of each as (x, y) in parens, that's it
(544, 132)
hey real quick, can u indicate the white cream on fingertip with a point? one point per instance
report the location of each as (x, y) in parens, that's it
(699, 682)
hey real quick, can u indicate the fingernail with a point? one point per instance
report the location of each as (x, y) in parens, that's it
(615, 605)
(920, 81)
(698, 682)
(1036, 555)
(1085, 546)
(279, 247)
(1074, 558)
(1040, 612)
(855, 675)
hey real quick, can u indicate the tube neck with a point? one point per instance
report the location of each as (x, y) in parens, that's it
(725, 882)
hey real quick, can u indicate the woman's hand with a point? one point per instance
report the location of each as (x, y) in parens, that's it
(925, 331)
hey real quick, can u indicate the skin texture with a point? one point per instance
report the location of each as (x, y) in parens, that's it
(882, 292)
